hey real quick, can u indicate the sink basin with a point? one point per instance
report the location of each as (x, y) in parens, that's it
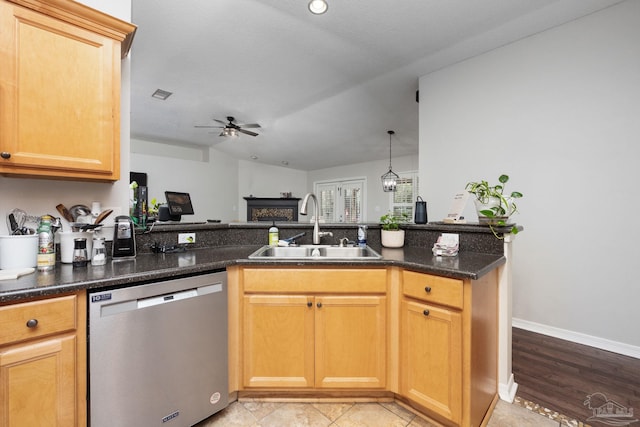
(314, 252)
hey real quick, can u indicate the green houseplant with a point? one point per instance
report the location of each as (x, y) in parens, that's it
(391, 234)
(493, 205)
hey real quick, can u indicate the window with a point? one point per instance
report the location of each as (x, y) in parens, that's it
(341, 201)
(402, 201)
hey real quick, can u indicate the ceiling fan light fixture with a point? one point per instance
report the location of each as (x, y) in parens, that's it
(318, 7)
(389, 179)
(230, 132)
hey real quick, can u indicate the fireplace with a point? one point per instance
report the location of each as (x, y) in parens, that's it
(272, 209)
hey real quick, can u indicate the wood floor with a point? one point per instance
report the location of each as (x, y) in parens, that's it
(560, 375)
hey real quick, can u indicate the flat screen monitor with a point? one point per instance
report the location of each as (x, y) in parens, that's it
(179, 203)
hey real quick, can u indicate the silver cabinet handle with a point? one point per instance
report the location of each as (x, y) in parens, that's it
(32, 323)
(5, 155)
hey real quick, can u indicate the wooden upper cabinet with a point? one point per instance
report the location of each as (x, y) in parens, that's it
(60, 90)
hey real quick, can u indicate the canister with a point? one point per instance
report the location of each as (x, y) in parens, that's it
(18, 251)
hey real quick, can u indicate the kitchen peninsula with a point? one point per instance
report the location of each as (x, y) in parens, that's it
(406, 325)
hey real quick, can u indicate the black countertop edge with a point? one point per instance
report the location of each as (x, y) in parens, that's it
(158, 267)
(435, 226)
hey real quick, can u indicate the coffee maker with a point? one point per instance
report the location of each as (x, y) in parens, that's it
(124, 240)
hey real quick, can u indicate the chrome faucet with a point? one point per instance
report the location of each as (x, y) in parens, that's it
(317, 234)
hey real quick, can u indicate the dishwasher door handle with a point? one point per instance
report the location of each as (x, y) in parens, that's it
(141, 303)
(166, 298)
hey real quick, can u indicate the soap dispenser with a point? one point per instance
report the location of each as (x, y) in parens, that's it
(273, 235)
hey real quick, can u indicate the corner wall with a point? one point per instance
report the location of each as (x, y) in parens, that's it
(558, 112)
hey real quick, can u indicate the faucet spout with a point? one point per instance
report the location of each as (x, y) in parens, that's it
(316, 213)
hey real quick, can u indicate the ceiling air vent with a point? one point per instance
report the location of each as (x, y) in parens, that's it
(161, 94)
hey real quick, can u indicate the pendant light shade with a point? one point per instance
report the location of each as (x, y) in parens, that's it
(389, 179)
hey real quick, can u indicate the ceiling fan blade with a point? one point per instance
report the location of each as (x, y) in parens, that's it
(248, 132)
(219, 127)
(219, 121)
(250, 125)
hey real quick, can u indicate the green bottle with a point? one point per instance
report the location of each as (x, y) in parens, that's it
(273, 235)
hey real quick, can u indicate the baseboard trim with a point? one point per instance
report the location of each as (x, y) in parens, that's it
(507, 392)
(577, 337)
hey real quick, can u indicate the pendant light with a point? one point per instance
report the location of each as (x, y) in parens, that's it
(389, 179)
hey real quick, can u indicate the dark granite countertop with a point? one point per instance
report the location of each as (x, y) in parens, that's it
(148, 267)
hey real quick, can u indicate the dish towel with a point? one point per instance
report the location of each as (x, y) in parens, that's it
(14, 273)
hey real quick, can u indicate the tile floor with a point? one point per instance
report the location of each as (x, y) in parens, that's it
(282, 414)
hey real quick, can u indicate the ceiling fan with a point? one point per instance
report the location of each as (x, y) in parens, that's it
(231, 128)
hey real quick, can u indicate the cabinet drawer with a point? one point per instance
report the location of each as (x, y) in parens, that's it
(315, 280)
(52, 316)
(435, 289)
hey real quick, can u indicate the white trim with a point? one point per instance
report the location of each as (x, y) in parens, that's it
(506, 384)
(507, 391)
(361, 182)
(577, 337)
(340, 180)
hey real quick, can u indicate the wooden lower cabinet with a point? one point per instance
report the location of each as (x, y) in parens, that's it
(350, 341)
(43, 363)
(448, 346)
(429, 341)
(278, 341)
(313, 340)
(307, 341)
(431, 360)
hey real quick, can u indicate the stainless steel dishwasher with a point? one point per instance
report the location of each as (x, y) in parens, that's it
(158, 352)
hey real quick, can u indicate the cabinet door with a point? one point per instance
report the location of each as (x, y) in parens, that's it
(351, 343)
(431, 358)
(60, 97)
(278, 341)
(38, 383)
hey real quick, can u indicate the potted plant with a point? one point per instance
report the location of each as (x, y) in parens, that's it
(391, 234)
(494, 207)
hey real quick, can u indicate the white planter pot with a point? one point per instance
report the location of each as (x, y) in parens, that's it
(482, 219)
(392, 238)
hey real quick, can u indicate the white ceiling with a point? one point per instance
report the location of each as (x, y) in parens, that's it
(325, 89)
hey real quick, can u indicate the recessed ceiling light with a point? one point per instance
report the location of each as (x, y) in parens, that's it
(161, 94)
(284, 162)
(318, 7)
(254, 157)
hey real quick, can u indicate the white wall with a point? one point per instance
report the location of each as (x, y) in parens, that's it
(377, 201)
(558, 112)
(40, 196)
(258, 180)
(208, 175)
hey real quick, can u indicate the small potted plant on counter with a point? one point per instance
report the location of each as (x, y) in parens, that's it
(492, 205)
(391, 234)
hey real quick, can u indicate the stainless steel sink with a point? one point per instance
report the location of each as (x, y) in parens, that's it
(314, 252)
